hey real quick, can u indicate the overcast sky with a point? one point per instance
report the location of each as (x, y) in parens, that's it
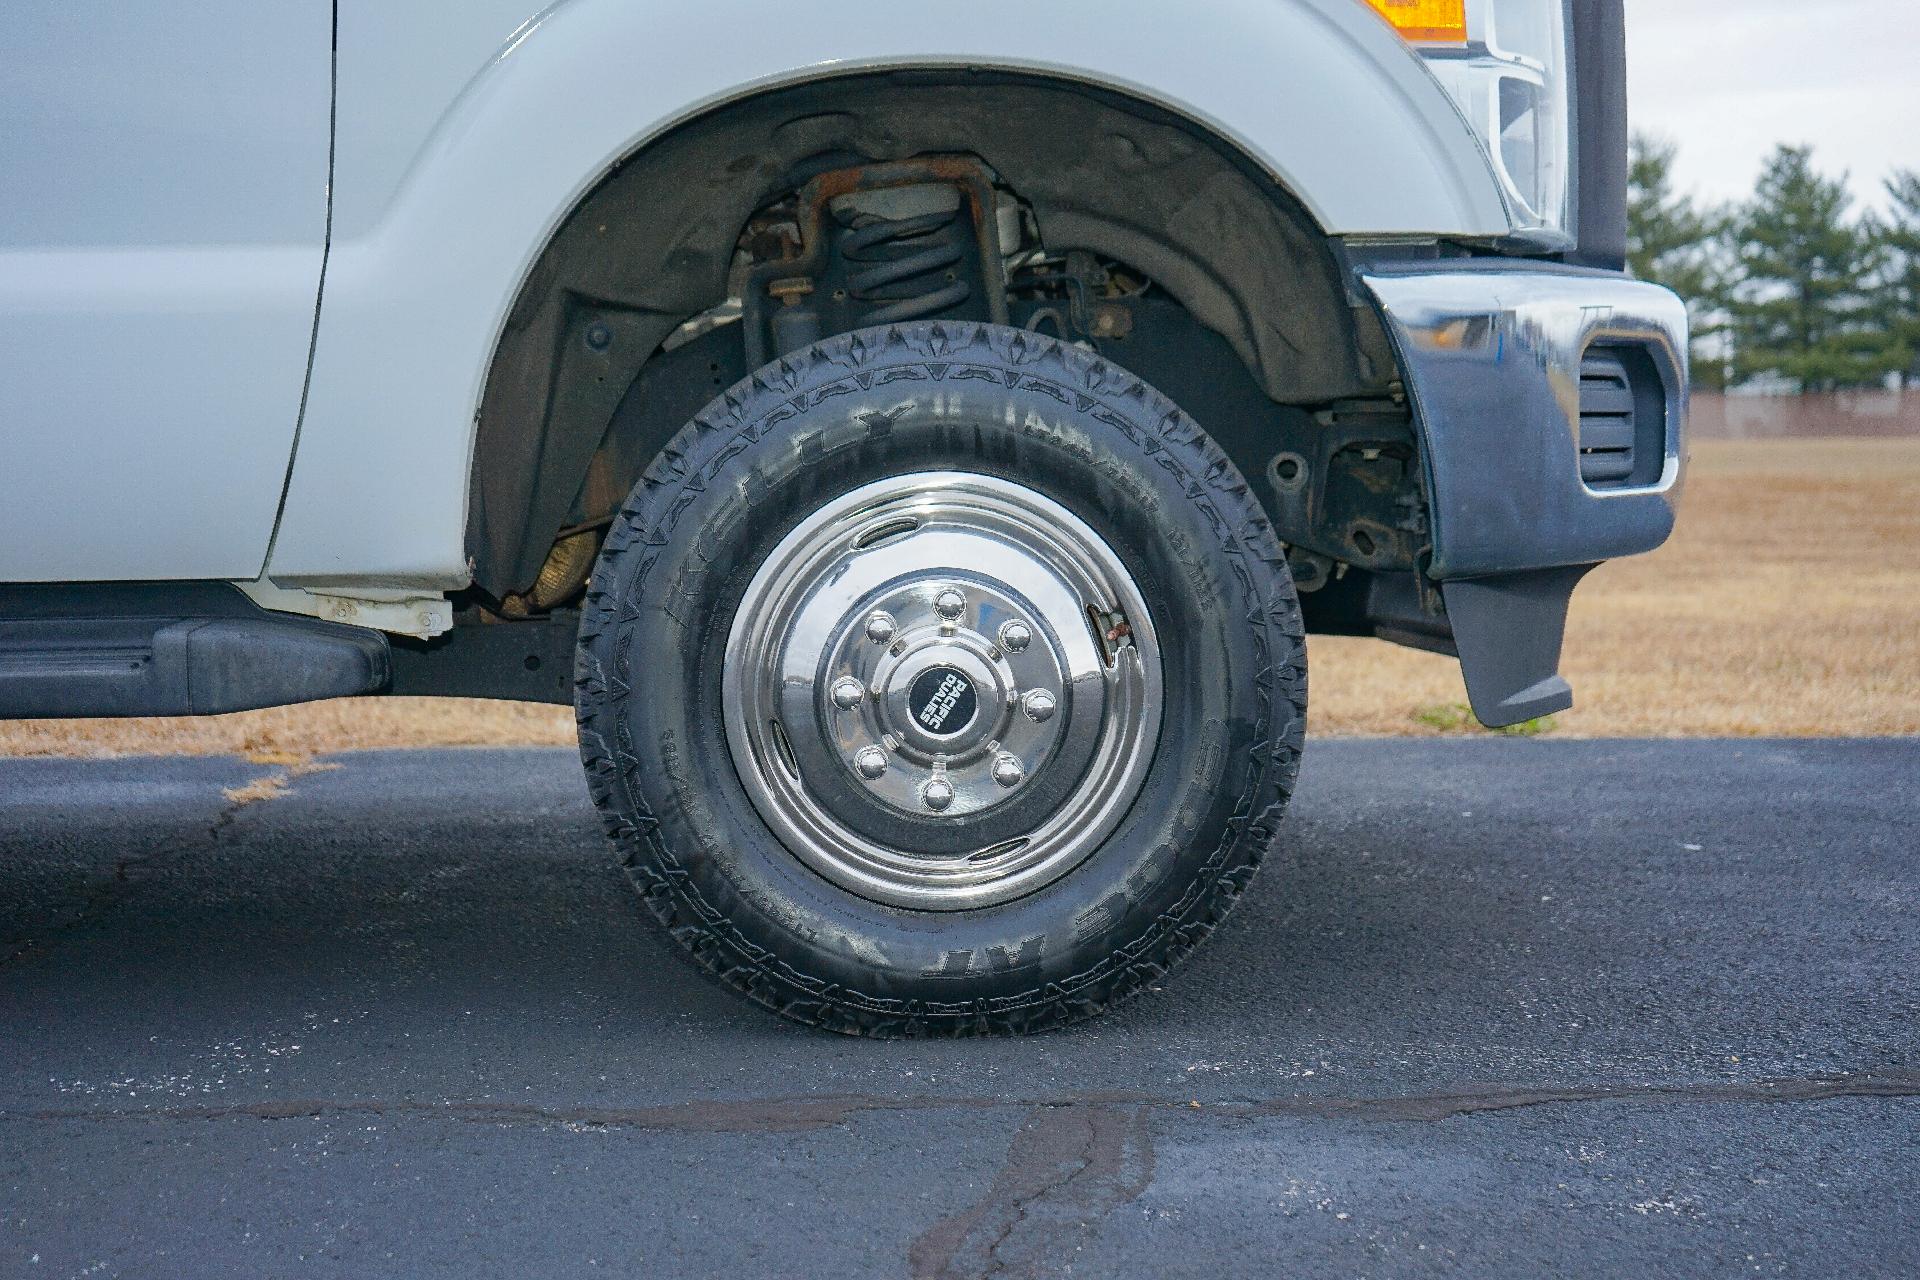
(1726, 79)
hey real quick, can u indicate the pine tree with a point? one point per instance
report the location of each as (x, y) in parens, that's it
(1900, 242)
(1800, 310)
(1671, 241)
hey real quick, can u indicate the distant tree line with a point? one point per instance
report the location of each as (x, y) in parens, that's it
(1792, 287)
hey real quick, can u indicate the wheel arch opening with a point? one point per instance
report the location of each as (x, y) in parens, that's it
(1261, 338)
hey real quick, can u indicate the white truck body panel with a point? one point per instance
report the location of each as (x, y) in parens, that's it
(464, 140)
(161, 237)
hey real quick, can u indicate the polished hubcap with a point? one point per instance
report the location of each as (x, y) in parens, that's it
(942, 691)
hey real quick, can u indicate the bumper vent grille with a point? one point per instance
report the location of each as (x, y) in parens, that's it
(1623, 419)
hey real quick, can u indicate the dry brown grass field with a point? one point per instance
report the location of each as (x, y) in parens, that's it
(1788, 604)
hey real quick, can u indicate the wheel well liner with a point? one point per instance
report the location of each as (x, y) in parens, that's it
(651, 246)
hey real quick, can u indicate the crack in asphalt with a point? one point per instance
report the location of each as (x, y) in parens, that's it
(1066, 1169)
(135, 869)
(800, 1114)
(1072, 1162)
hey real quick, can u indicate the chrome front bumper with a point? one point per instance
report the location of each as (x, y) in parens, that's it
(1491, 357)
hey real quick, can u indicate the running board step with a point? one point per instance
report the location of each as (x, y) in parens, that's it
(175, 649)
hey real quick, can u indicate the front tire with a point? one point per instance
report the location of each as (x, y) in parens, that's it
(941, 679)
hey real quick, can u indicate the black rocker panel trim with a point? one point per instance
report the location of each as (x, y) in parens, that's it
(168, 649)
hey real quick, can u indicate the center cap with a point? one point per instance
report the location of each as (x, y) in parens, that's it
(943, 701)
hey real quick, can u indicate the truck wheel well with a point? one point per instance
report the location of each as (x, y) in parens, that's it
(653, 243)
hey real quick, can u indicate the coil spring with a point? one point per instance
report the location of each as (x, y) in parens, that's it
(902, 251)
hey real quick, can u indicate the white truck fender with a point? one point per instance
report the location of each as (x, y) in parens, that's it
(1320, 93)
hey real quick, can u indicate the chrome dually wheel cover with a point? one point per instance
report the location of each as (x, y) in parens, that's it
(935, 654)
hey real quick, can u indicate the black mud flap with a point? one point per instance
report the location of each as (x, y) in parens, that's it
(1508, 631)
(525, 661)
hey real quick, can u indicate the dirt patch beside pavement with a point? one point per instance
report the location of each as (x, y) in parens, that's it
(286, 734)
(1787, 605)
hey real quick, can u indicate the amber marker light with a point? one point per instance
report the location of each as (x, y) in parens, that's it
(1426, 21)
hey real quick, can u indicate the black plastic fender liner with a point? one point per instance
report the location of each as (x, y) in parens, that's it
(1509, 631)
(171, 649)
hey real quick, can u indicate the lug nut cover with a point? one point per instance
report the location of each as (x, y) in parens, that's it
(937, 794)
(1039, 705)
(871, 762)
(949, 603)
(1008, 771)
(848, 693)
(1016, 636)
(880, 628)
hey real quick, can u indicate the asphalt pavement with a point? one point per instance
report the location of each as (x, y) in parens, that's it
(1500, 1008)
